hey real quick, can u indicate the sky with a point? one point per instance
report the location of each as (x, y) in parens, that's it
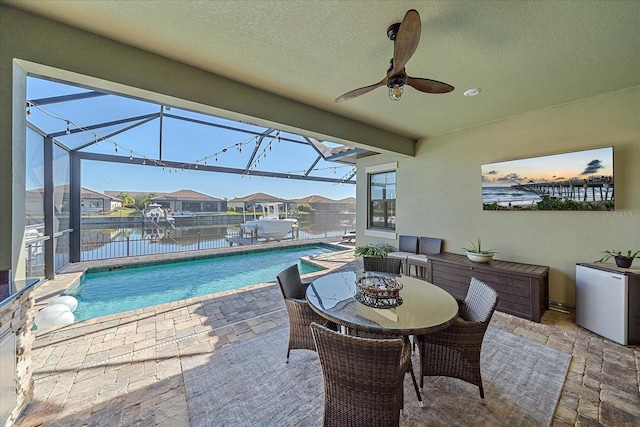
(558, 167)
(182, 142)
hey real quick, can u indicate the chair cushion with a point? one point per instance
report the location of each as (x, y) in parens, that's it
(401, 255)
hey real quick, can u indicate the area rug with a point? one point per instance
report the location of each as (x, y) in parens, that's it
(249, 384)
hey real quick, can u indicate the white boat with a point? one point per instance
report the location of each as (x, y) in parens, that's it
(269, 225)
(157, 214)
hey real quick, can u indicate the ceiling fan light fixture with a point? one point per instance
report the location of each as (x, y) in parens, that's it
(395, 92)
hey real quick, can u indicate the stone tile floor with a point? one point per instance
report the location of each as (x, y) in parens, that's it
(126, 369)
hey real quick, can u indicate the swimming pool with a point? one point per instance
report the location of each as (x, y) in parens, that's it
(103, 293)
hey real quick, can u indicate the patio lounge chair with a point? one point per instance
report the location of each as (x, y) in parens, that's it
(300, 314)
(363, 378)
(455, 351)
(349, 236)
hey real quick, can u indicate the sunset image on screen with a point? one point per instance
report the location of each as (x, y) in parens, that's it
(580, 180)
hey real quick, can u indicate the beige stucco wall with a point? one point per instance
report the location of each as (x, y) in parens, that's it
(439, 191)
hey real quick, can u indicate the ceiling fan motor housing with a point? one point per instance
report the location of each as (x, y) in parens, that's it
(398, 79)
(392, 31)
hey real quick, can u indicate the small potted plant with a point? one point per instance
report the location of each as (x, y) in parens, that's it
(477, 253)
(377, 250)
(374, 256)
(622, 261)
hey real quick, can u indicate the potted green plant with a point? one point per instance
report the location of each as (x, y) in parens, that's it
(374, 256)
(377, 250)
(622, 261)
(477, 253)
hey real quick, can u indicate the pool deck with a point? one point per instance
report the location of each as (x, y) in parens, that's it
(126, 369)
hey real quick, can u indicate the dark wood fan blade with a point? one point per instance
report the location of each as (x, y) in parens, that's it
(406, 40)
(360, 91)
(428, 85)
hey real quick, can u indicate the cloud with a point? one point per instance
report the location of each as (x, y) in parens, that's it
(592, 167)
(510, 178)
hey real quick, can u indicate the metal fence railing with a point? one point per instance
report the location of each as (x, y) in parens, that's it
(34, 256)
(158, 241)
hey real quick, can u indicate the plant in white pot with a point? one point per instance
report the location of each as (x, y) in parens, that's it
(477, 253)
(622, 260)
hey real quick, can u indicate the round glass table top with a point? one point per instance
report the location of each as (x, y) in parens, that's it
(425, 307)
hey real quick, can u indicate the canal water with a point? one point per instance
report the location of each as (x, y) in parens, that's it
(114, 241)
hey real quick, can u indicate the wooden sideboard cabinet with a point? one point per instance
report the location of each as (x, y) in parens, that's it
(523, 288)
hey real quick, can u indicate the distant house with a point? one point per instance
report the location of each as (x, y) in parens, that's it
(94, 202)
(322, 204)
(247, 203)
(190, 201)
(91, 202)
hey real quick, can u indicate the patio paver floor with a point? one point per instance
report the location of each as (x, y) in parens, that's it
(126, 369)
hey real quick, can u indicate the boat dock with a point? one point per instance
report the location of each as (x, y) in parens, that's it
(596, 189)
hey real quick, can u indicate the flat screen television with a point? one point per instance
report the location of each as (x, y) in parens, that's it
(579, 180)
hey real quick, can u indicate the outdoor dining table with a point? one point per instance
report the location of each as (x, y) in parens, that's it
(425, 308)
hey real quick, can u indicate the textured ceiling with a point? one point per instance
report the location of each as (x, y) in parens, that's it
(524, 55)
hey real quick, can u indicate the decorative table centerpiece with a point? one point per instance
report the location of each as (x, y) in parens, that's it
(378, 291)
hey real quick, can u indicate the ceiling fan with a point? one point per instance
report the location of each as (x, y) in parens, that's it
(405, 36)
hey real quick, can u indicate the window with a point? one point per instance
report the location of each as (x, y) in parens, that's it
(382, 200)
(34, 208)
(191, 206)
(211, 207)
(61, 205)
(96, 204)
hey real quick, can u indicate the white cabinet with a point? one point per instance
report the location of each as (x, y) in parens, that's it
(607, 302)
(7, 374)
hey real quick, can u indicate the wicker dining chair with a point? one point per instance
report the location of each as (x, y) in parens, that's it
(382, 265)
(363, 378)
(300, 313)
(455, 351)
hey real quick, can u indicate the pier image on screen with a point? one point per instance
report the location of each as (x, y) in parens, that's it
(581, 180)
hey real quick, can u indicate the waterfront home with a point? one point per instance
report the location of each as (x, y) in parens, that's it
(190, 201)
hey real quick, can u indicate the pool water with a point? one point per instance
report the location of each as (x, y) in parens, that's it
(100, 294)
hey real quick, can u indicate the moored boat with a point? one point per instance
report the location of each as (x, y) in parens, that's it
(269, 226)
(157, 214)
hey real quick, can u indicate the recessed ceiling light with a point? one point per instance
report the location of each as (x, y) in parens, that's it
(472, 92)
